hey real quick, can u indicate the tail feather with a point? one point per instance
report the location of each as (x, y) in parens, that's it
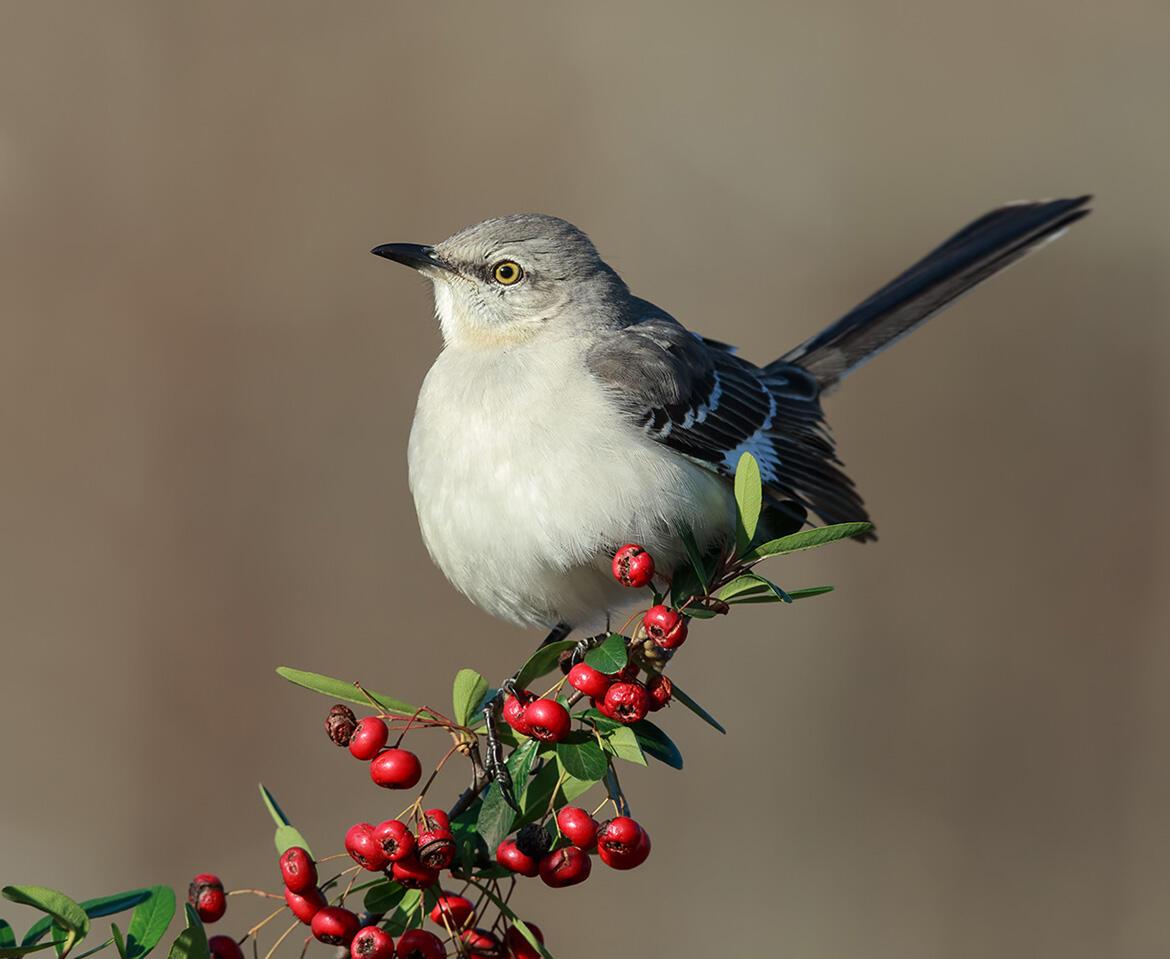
(978, 251)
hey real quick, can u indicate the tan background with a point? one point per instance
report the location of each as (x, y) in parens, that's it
(206, 385)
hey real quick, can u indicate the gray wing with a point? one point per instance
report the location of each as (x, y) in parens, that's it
(702, 401)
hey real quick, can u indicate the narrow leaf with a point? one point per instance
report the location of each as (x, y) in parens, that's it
(777, 591)
(495, 818)
(65, 912)
(273, 807)
(94, 908)
(542, 662)
(610, 656)
(403, 917)
(15, 952)
(191, 943)
(695, 708)
(696, 557)
(341, 690)
(748, 583)
(583, 760)
(515, 919)
(769, 597)
(657, 744)
(149, 922)
(382, 897)
(7, 936)
(540, 792)
(119, 941)
(749, 496)
(288, 836)
(623, 743)
(467, 694)
(808, 539)
(683, 585)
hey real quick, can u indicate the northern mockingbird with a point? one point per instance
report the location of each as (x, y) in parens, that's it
(566, 416)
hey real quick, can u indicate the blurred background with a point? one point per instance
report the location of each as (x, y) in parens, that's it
(207, 382)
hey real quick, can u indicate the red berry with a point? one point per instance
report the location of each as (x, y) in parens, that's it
(659, 688)
(297, 869)
(305, 905)
(364, 848)
(436, 819)
(622, 843)
(420, 944)
(518, 944)
(665, 626)
(480, 942)
(371, 943)
(224, 947)
(590, 681)
(335, 926)
(549, 720)
(509, 856)
(368, 738)
(455, 911)
(396, 840)
(633, 566)
(206, 894)
(565, 867)
(396, 769)
(513, 711)
(578, 827)
(412, 874)
(625, 702)
(435, 848)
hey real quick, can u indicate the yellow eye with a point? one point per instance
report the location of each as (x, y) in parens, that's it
(507, 272)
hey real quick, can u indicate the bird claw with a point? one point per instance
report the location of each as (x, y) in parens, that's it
(583, 646)
(493, 760)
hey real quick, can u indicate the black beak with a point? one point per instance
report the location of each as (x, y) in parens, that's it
(411, 254)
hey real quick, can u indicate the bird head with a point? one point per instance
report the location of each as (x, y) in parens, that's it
(510, 278)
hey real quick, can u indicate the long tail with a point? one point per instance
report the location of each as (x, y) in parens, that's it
(979, 250)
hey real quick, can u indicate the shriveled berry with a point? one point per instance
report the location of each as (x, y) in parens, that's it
(625, 702)
(633, 566)
(364, 848)
(513, 711)
(420, 944)
(368, 738)
(340, 724)
(207, 897)
(590, 681)
(518, 944)
(533, 840)
(305, 905)
(297, 869)
(509, 856)
(335, 926)
(548, 720)
(667, 627)
(578, 827)
(565, 867)
(412, 874)
(371, 942)
(435, 848)
(622, 843)
(454, 911)
(481, 942)
(436, 819)
(224, 947)
(395, 838)
(396, 769)
(660, 690)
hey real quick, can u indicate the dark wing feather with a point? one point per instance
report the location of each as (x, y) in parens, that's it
(711, 406)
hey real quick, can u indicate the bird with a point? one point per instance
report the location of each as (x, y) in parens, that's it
(566, 416)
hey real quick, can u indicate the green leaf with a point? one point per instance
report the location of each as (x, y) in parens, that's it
(495, 818)
(516, 920)
(655, 742)
(95, 950)
(7, 936)
(383, 896)
(766, 596)
(610, 656)
(119, 941)
(191, 943)
(287, 834)
(542, 662)
(403, 917)
(749, 496)
(540, 792)
(15, 952)
(65, 912)
(696, 557)
(149, 922)
(683, 585)
(682, 697)
(582, 759)
(343, 691)
(94, 908)
(808, 539)
(468, 692)
(747, 583)
(622, 743)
